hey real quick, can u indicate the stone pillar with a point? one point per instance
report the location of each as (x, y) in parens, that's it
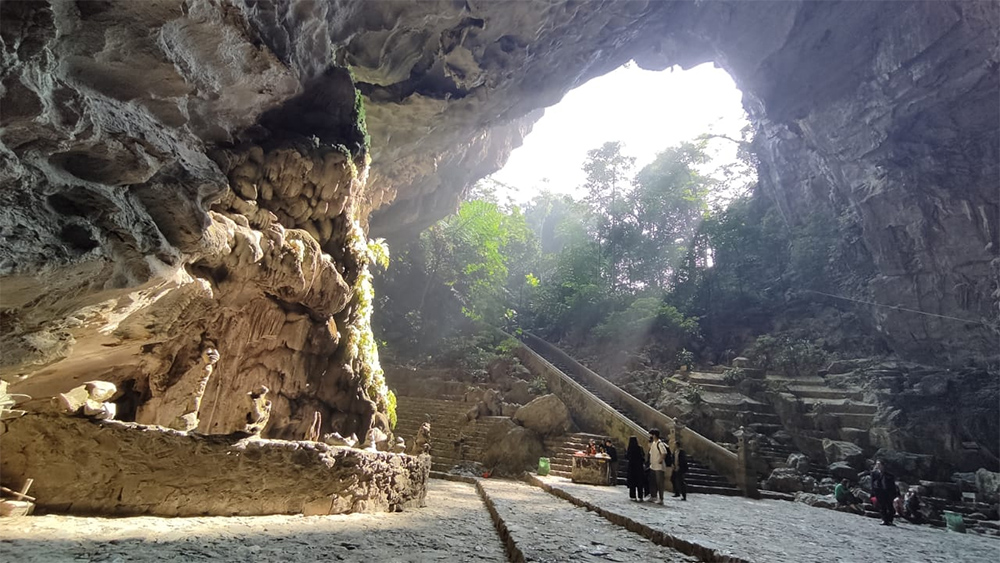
(675, 443)
(177, 406)
(746, 477)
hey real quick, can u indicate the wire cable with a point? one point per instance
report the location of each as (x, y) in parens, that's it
(897, 308)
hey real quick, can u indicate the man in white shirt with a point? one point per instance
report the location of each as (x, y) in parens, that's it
(659, 458)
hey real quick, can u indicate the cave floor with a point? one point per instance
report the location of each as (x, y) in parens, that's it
(773, 530)
(455, 526)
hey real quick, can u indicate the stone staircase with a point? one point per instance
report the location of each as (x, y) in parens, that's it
(700, 479)
(825, 412)
(733, 410)
(560, 450)
(453, 438)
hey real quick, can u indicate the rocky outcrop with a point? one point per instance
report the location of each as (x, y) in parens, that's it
(177, 189)
(511, 449)
(546, 415)
(195, 174)
(836, 450)
(86, 467)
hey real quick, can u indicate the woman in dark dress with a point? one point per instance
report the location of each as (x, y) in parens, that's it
(636, 481)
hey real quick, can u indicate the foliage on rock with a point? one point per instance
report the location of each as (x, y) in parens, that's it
(360, 346)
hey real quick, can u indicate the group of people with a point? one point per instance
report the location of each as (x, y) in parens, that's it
(885, 496)
(647, 470)
(607, 449)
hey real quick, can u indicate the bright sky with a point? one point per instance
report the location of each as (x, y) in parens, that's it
(647, 111)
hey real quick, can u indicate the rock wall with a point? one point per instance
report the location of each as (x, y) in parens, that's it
(174, 186)
(115, 468)
(189, 174)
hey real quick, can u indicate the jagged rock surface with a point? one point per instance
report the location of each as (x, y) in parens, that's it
(185, 174)
(86, 467)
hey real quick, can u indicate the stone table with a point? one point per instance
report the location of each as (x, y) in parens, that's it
(590, 470)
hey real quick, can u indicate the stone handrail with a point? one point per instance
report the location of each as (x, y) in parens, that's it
(588, 410)
(723, 461)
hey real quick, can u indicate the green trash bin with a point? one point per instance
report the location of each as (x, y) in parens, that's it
(543, 466)
(954, 521)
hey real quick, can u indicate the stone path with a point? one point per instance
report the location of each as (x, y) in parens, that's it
(779, 531)
(454, 526)
(547, 529)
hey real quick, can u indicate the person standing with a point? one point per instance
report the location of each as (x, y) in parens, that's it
(678, 476)
(612, 452)
(658, 454)
(884, 490)
(636, 479)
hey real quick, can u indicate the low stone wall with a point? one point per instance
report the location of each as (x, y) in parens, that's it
(117, 468)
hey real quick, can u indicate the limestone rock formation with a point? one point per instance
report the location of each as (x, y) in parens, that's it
(546, 415)
(117, 468)
(988, 486)
(512, 449)
(844, 451)
(788, 480)
(193, 171)
(843, 470)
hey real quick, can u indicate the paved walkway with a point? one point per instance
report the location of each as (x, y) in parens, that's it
(549, 529)
(771, 531)
(454, 526)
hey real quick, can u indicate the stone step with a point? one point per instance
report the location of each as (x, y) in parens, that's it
(744, 404)
(818, 392)
(814, 381)
(710, 490)
(853, 420)
(841, 406)
(713, 388)
(703, 378)
(765, 427)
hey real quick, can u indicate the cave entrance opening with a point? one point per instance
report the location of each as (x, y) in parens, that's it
(647, 156)
(647, 112)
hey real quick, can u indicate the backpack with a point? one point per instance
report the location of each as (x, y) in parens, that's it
(668, 456)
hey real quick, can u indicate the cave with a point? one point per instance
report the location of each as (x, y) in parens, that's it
(197, 175)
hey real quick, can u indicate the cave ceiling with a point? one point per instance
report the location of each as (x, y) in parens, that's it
(169, 164)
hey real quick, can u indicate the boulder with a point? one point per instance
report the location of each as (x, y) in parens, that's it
(782, 437)
(913, 467)
(819, 501)
(942, 489)
(512, 449)
(519, 392)
(798, 462)
(934, 385)
(842, 470)
(492, 403)
(100, 390)
(987, 486)
(965, 481)
(509, 409)
(741, 362)
(498, 369)
(546, 415)
(520, 372)
(787, 480)
(865, 481)
(836, 450)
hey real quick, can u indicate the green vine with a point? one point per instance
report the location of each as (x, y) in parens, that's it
(361, 345)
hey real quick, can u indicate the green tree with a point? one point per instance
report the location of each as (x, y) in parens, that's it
(608, 185)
